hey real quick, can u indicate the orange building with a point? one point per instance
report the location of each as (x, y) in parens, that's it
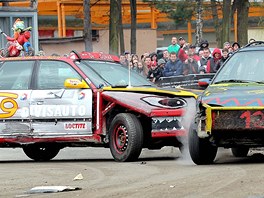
(63, 18)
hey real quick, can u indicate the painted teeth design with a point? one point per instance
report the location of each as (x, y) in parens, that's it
(166, 123)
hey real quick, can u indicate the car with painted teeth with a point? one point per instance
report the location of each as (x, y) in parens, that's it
(230, 112)
(87, 99)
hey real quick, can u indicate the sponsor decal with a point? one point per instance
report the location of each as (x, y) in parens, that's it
(23, 96)
(81, 96)
(74, 82)
(8, 104)
(54, 111)
(75, 126)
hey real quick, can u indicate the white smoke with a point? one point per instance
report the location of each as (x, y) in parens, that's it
(188, 118)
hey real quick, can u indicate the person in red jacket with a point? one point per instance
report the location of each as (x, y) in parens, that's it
(211, 64)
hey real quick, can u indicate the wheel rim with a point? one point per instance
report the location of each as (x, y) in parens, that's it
(120, 138)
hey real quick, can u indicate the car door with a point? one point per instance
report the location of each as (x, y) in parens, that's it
(15, 92)
(55, 110)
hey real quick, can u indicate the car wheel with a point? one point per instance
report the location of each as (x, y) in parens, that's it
(201, 150)
(240, 151)
(125, 137)
(41, 152)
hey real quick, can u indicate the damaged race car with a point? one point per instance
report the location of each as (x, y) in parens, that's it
(87, 99)
(230, 112)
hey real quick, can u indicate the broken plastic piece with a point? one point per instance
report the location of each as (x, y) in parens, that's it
(52, 189)
(78, 177)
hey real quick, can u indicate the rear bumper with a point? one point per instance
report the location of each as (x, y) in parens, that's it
(19, 141)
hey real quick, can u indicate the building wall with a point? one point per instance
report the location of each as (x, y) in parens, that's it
(146, 42)
(257, 34)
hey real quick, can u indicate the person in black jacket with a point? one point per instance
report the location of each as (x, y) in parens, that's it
(154, 73)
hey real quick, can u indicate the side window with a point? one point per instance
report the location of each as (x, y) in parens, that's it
(15, 75)
(52, 74)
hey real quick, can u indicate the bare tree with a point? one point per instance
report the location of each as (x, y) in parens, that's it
(87, 26)
(226, 23)
(199, 22)
(120, 28)
(113, 27)
(216, 22)
(242, 7)
(133, 38)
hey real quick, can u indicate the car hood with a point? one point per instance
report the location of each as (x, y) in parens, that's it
(234, 95)
(145, 100)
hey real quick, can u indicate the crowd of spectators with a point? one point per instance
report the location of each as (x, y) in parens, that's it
(180, 58)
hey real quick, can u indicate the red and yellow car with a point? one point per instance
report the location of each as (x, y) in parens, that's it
(87, 99)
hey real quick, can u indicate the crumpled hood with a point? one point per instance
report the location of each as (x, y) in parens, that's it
(145, 100)
(234, 95)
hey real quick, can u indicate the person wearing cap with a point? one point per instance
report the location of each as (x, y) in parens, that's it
(204, 44)
(192, 49)
(154, 73)
(174, 47)
(182, 42)
(161, 64)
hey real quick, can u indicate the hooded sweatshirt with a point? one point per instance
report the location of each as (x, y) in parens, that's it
(211, 64)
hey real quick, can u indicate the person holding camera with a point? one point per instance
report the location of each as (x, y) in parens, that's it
(190, 65)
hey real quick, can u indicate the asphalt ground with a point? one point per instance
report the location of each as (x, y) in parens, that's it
(159, 173)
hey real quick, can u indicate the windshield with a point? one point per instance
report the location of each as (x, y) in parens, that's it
(242, 67)
(111, 74)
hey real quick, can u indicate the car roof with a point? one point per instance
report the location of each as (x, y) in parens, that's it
(73, 55)
(254, 46)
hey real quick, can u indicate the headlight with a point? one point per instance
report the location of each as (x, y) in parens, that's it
(164, 102)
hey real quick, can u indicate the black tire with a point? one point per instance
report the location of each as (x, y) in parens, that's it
(41, 152)
(125, 137)
(241, 151)
(201, 150)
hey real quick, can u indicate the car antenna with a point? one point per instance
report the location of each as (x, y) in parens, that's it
(129, 77)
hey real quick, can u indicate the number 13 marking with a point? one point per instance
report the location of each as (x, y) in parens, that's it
(259, 123)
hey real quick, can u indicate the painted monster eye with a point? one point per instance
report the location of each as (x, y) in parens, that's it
(165, 102)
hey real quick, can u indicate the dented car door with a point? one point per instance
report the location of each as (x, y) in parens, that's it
(55, 109)
(15, 80)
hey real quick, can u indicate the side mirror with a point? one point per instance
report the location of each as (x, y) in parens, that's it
(204, 82)
(74, 83)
